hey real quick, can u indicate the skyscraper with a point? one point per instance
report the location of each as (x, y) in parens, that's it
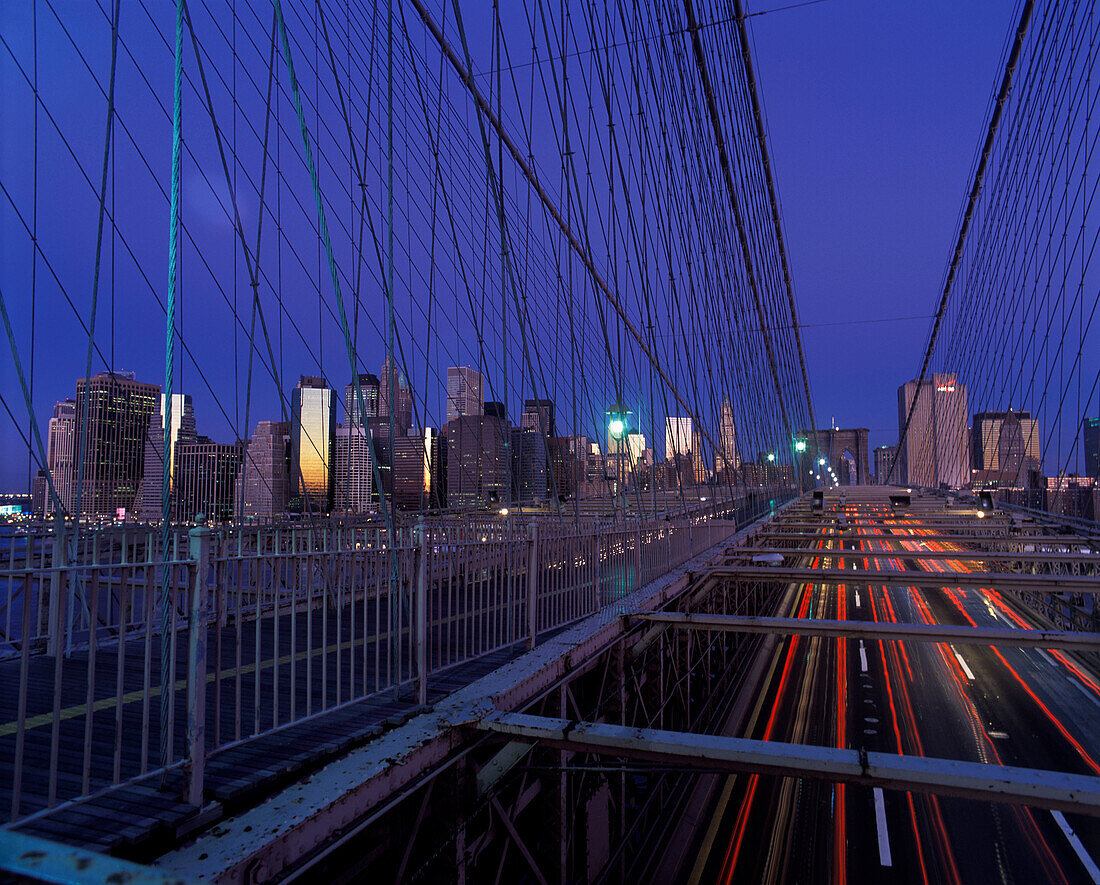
(478, 468)
(678, 437)
(264, 483)
(313, 420)
(368, 385)
(1007, 442)
(727, 456)
(206, 479)
(1091, 441)
(182, 429)
(149, 505)
(884, 460)
(529, 463)
(936, 450)
(416, 469)
(353, 476)
(465, 392)
(538, 415)
(402, 411)
(61, 455)
(111, 440)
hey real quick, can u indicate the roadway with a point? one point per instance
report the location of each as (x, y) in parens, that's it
(1012, 706)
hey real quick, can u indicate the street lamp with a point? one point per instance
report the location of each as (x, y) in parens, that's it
(821, 461)
(800, 446)
(771, 456)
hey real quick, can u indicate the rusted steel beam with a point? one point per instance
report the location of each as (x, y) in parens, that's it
(948, 777)
(1000, 580)
(878, 630)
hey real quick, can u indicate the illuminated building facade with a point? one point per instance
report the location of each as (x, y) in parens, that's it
(936, 450)
(110, 441)
(313, 420)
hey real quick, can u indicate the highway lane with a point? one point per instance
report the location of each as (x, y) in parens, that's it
(1009, 706)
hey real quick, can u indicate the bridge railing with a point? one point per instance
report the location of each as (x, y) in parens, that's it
(258, 639)
(76, 722)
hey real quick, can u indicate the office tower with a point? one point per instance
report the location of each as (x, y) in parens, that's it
(353, 476)
(313, 420)
(884, 460)
(677, 437)
(206, 479)
(635, 448)
(368, 385)
(61, 456)
(1006, 442)
(478, 468)
(936, 450)
(149, 505)
(529, 474)
(110, 441)
(1091, 441)
(698, 464)
(465, 393)
(727, 456)
(264, 483)
(416, 469)
(402, 411)
(567, 468)
(150, 500)
(39, 492)
(538, 415)
(182, 424)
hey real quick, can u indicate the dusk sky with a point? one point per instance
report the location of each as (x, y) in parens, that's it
(874, 111)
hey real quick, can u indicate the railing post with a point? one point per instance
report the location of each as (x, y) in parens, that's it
(532, 582)
(422, 614)
(57, 603)
(196, 662)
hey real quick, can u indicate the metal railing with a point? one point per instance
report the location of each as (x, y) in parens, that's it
(272, 632)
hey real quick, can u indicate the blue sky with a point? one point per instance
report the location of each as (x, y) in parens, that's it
(874, 112)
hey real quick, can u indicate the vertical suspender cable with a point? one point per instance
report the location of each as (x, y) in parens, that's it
(169, 359)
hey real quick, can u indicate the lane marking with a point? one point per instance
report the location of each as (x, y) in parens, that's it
(862, 657)
(1049, 659)
(1081, 688)
(1078, 848)
(857, 599)
(969, 673)
(884, 858)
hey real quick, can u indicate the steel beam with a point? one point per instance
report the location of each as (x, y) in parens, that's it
(1000, 556)
(32, 859)
(970, 580)
(825, 534)
(878, 630)
(1075, 793)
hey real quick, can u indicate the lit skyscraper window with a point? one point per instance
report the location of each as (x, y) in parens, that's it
(313, 406)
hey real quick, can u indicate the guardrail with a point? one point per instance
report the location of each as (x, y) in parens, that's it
(257, 640)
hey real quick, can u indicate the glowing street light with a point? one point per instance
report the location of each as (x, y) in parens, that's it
(821, 461)
(616, 427)
(771, 456)
(800, 446)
